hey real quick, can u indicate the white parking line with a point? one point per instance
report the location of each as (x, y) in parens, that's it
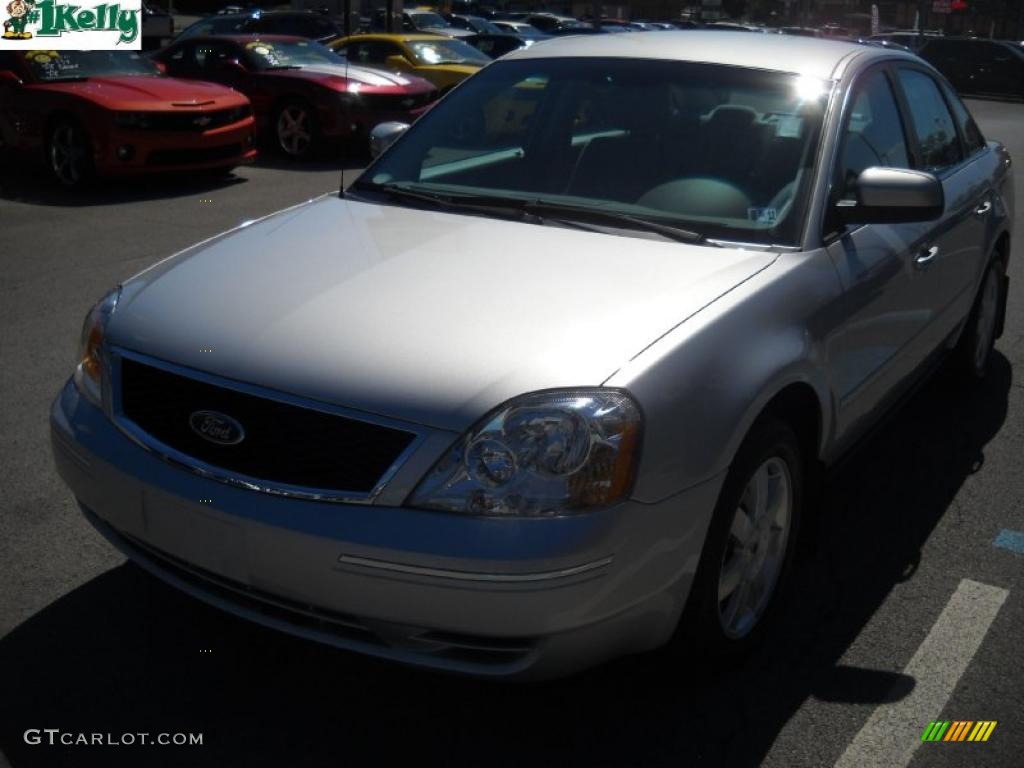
(893, 732)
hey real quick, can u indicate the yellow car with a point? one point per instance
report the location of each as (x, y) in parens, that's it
(444, 61)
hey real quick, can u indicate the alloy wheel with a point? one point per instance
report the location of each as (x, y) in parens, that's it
(294, 130)
(68, 154)
(756, 548)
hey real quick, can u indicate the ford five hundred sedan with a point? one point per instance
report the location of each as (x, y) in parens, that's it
(548, 383)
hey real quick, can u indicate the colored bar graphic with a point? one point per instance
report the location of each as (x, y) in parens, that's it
(958, 730)
(935, 730)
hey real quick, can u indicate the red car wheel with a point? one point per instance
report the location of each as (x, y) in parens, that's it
(69, 153)
(295, 129)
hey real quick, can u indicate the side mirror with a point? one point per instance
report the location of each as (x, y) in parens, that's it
(893, 196)
(7, 76)
(161, 66)
(384, 135)
(397, 62)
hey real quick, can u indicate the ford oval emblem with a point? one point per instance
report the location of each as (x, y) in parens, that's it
(216, 427)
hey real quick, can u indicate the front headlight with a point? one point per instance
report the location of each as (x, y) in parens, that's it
(89, 373)
(549, 453)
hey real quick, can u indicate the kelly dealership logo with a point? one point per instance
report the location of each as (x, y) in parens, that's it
(29, 24)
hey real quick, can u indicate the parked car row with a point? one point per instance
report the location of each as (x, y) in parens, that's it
(202, 102)
(111, 113)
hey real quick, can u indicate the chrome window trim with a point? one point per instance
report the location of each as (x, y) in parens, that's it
(175, 457)
(444, 573)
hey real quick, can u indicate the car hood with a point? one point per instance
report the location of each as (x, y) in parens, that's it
(354, 73)
(146, 93)
(424, 316)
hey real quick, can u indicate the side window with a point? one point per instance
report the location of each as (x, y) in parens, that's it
(388, 49)
(874, 134)
(973, 140)
(209, 53)
(175, 60)
(358, 52)
(933, 124)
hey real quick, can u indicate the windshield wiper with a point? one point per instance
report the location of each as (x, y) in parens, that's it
(467, 203)
(613, 219)
(538, 211)
(284, 66)
(67, 79)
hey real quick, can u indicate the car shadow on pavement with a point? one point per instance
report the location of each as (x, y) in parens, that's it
(125, 654)
(328, 160)
(27, 184)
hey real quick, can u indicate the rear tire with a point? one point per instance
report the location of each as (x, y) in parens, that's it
(749, 548)
(973, 352)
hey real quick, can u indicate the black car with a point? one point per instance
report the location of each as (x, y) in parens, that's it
(314, 26)
(496, 45)
(476, 24)
(980, 67)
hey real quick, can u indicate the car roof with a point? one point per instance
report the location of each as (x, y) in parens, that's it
(411, 37)
(242, 37)
(812, 56)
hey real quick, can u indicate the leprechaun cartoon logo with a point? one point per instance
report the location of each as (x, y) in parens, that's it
(21, 13)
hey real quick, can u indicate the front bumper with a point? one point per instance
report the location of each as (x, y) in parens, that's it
(494, 597)
(126, 152)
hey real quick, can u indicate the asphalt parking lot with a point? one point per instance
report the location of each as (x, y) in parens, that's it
(904, 612)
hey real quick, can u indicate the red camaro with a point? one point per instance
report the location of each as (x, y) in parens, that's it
(106, 112)
(302, 91)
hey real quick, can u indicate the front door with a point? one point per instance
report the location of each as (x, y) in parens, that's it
(884, 268)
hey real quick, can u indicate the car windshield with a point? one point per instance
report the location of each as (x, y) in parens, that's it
(215, 26)
(524, 30)
(483, 25)
(424, 20)
(723, 151)
(277, 54)
(53, 66)
(443, 51)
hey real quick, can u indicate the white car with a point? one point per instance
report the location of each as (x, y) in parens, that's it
(547, 384)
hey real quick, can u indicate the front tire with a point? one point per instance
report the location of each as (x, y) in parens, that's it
(295, 129)
(69, 155)
(749, 548)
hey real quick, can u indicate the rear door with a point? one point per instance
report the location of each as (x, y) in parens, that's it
(1004, 69)
(956, 242)
(953, 59)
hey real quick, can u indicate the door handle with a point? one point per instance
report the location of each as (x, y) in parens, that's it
(926, 256)
(984, 208)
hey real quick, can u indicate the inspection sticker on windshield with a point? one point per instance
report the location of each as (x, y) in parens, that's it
(763, 215)
(789, 127)
(88, 25)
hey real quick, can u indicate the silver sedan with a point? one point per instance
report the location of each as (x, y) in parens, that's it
(548, 384)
